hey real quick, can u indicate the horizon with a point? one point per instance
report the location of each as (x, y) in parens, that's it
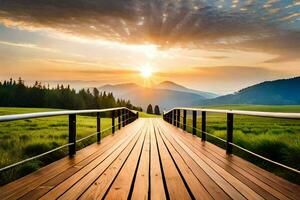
(215, 46)
(152, 85)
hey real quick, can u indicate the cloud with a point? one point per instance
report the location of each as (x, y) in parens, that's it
(186, 23)
(27, 45)
(218, 57)
(233, 71)
(108, 72)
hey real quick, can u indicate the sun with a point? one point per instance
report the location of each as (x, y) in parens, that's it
(146, 71)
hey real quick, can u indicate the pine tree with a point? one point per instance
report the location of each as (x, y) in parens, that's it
(156, 110)
(149, 109)
(20, 95)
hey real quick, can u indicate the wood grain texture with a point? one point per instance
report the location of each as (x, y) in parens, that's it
(151, 159)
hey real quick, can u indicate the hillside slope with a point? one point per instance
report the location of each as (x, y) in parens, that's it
(278, 92)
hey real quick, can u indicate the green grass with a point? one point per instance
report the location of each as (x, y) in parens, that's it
(265, 108)
(277, 139)
(146, 115)
(26, 138)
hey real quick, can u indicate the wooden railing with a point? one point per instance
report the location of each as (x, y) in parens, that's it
(173, 116)
(125, 116)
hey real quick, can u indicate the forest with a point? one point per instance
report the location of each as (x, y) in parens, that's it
(15, 93)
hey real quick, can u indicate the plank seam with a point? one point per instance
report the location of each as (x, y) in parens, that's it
(136, 169)
(183, 179)
(161, 168)
(121, 167)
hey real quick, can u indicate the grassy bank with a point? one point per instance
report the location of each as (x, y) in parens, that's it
(26, 138)
(277, 139)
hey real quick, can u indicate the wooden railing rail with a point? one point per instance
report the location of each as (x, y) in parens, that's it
(125, 116)
(173, 117)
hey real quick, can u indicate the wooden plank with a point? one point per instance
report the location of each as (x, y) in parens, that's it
(121, 187)
(258, 186)
(215, 191)
(197, 189)
(98, 189)
(157, 190)
(89, 172)
(175, 186)
(141, 186)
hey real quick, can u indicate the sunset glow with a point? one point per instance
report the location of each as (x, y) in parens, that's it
(146, 71)
(219, 46)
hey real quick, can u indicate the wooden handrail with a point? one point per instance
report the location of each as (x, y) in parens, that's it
(243, 112)
(127, 117)
(57, 113)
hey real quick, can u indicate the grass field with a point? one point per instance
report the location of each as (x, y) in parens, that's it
(277, 139)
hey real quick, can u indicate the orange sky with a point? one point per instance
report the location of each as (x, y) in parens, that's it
(203, 52)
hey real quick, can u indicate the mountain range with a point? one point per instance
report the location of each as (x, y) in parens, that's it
(168, 94)
(165, 94)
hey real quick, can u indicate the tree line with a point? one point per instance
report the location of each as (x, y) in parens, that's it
(16, 94)
(150, 110)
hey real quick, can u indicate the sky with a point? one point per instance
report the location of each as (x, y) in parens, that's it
(217, 46)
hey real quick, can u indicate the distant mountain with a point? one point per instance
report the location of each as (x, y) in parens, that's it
(119, 89)
(174, 86)
(166, 94)
(278, 92)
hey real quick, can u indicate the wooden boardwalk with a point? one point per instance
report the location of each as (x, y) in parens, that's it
(151, 159)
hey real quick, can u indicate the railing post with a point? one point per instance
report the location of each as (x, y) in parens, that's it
(72, 134)
(229, 133)
(127, 117)
(98, 128)
(203, 137)
(137, 115)
(184, 120)
(123, 117)
(178, 118)
(194, 122)
(119, 119)
(171, 117)
(113, 121)
(174, 117)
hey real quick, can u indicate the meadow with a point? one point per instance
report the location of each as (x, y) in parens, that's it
(277, 139)
(26, 138)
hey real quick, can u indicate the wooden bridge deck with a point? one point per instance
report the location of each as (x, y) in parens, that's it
(150, 159)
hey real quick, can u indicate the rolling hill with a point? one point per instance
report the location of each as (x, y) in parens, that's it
(278, 92)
